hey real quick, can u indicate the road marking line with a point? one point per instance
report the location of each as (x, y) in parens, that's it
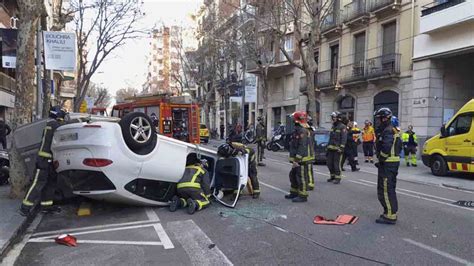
(69, 230)
(197, 244)
(109, 242)
(272, 187)
(360, 183)
(167, 244)
(407, 190)
(101, 230)
(439, 252)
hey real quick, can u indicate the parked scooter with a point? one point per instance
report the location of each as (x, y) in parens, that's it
(277, 143)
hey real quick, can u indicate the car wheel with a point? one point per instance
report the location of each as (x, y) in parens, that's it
(438, 166)
(137, 130)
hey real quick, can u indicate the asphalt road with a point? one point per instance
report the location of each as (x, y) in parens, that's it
(268, 231)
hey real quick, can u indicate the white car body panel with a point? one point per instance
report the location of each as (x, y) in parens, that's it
(165, 163)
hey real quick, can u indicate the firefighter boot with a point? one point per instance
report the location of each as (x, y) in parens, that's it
(291, 196)
(299, 199)
(331, 179)
(384, 220)
(336, 181)
(192, 206)
(25, 210)
(175, 204)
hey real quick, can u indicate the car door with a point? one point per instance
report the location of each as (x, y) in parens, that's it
(459, 143)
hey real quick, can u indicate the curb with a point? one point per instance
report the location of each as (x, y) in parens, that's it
(17, 234)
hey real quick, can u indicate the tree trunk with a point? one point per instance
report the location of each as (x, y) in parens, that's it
(29, 11)
(311, 94)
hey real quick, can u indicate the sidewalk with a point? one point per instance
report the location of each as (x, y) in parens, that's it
(11, 222)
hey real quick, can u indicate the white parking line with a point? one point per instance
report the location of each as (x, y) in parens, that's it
(70, 230)
(108, 242)
(167, 244)
(439, 252)
(200, 249)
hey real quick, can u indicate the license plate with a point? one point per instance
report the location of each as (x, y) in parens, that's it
(68, 137)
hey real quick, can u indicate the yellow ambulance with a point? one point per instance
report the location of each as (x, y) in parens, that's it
(453, 148)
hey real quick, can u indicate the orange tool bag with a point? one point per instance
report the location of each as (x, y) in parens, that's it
(340, 219)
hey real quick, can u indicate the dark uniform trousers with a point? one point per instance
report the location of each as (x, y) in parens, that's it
(334, 161)
(253, 171)
(43, 185)
(298, 181)
(195, 194)
(260, 149)
(386, 185)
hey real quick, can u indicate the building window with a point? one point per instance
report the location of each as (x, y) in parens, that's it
(389, 38)
(289, 87)
(346, 105)
(288, 48)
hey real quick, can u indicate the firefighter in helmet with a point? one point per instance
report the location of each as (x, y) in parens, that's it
(335, 148)
(233, 148)
(388, 147)
(194, 188)
(44, 183)
(301, 156)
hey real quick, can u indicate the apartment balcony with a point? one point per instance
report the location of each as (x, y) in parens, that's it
(383, 8)
(331, 26)
(353, 73)
(436, 16)
(326, 78)
(7, 83)
(356, 14)
(385, 66)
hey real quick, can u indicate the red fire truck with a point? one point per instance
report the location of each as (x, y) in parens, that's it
(173, 116)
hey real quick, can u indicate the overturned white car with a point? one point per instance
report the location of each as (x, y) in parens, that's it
(124, 160)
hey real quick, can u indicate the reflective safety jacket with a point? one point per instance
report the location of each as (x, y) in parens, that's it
(388, 144)
(196, 177)
(47, 140)
(239, 147)
(337, 137)
(260, 133)
(409, 138)
(312, 142)
(368, 134)
(301, 150)
(356, 135)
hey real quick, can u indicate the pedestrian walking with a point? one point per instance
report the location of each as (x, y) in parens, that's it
(43, 186)
(300, 157)
(194, 188)
(335, 148)
(388, 154)
(222, 129)
(410, 143)
(351, 145)
(260, 139)
(368, 140)
(4, 132)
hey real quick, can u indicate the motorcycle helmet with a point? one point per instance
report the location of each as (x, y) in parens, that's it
(301, 118)
(225, 150)
(395, 122)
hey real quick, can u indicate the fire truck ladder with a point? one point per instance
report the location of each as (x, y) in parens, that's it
(194, 123)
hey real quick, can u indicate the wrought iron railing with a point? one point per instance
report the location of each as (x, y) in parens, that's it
(388, 64)
(352, 72)
(331, 21)
(378, 4)
(355, 9)
(326, 78)
(437, 6)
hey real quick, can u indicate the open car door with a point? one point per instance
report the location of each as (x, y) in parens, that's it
(231, 174)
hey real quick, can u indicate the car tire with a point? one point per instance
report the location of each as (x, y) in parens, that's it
(137, 130)
(438, 166)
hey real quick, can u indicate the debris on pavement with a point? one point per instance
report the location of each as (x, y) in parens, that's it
(342, 219)
(67, 240)
(465, 203)
(84, 209)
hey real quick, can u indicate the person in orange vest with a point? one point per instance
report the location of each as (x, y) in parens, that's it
(368, 140)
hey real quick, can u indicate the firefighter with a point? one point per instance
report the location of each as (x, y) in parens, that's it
(43, 186)
(300, 157)
(335, 148)
(235, 148)
(410, 142)
(350, 149)
(194, 188)
(310, 174)
(388, 148)
(356, 137)
(260, 140)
